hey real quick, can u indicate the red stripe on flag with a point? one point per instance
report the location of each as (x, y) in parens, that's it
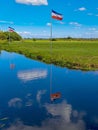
(57, 17)
(11, 30)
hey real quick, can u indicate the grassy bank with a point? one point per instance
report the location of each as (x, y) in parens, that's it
(72, 54)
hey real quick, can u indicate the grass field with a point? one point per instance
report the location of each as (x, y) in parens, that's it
(73, 54)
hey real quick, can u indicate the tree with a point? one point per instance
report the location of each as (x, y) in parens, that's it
(69, 37)
(2, 36)
(13, 36)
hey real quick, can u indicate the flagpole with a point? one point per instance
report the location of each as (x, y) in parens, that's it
(9, 37)
(10, 30)
(56, 16)
(51, 57)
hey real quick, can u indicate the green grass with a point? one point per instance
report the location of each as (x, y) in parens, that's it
(72, 54)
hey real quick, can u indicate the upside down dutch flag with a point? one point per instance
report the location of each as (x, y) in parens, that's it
(56, 15)
(11, 29)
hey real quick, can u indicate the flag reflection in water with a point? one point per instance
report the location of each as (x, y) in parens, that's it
(55, 96)
(12, 66)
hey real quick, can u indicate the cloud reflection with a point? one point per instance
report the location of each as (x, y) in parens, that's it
(32, 74)
(15, 102)
(39, 95)
(29, 100)
(63, 109)
(62, 119)
(19, 103)
(65, 117)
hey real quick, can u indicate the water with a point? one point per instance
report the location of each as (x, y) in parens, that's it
(25, 96)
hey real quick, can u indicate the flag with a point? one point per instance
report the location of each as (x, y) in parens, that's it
(11, 29)
(55, 96)
(56, 15)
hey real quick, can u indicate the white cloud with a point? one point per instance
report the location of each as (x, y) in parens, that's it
(75, 24)
(92, 29)
(48, 24)
(81, 9)
(6, 22)
(62, 22)
(33, 2)
(28, 34)
(25, 33)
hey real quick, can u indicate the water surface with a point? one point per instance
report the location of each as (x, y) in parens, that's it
(25, 88)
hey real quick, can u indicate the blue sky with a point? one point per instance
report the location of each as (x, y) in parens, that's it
(32, 18)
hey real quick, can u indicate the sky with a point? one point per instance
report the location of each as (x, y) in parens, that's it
(32, 18)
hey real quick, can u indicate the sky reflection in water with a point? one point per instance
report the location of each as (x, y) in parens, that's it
(25, 96)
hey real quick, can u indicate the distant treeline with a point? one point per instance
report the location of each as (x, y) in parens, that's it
(16, 37)
(12, 35)
(62, 39)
